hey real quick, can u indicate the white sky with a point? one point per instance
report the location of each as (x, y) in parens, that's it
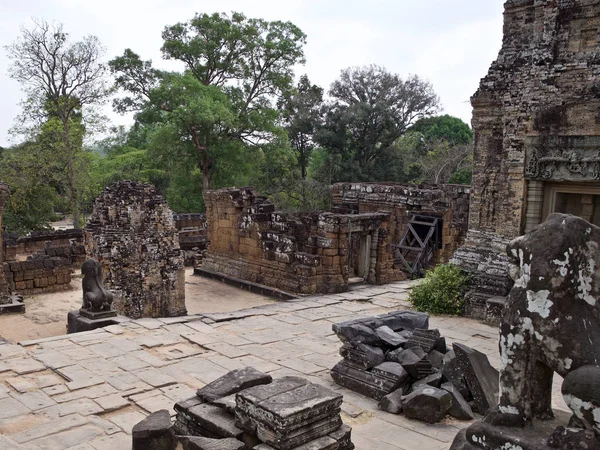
(449, 43)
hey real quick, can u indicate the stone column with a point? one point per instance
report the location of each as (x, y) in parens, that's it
(371, 278)
(535, 204)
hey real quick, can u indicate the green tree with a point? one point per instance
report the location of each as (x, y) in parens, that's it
(447, 128)
(63, 82)
(29, 174)
(223, 103)
(370, 110)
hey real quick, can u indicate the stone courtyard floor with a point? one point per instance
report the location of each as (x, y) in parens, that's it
(86, 391)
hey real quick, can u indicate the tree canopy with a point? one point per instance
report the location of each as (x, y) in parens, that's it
(370, 109)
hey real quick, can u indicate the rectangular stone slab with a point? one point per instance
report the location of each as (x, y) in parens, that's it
(233, 382)
(286, 402)
(289, 441)
(363, 382)
(214, 419)
(482, 379)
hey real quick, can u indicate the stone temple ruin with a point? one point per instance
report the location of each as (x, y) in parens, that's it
(537, 136)
(132, 233)
(377, 233)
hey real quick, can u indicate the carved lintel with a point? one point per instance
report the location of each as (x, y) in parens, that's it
(563, 158)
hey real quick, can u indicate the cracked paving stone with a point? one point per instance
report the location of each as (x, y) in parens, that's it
(126, 421)
(21, 384)
(112, 402)
(9, 407)
(178, 351)
(83, 406)
(47, 428)
(155, 378)
(34, 400)
(227, 349)
(22, 366)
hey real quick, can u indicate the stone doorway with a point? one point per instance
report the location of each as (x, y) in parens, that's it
(581, 200)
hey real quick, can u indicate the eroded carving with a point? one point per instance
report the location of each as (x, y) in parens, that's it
(95, 297)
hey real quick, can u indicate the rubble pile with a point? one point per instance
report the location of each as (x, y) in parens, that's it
(247, 409)
(396, 359)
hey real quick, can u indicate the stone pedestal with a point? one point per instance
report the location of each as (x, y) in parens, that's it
(82, 320)
(481, 435)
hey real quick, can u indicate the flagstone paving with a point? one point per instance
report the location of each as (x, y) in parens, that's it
(86, 391)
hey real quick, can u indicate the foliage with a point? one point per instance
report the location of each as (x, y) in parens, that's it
(448, 128)
(223, 103)
(442, 291)
(300, 110)
(437, 150)
(60, 80)
(370, 110)
(30, 206)
(443, 160)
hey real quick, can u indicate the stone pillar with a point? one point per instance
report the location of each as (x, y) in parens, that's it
(535, 204)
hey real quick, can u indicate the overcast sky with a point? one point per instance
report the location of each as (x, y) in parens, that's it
(449, 43)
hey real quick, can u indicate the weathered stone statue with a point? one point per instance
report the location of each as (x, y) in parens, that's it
(551, 324)
(95, 297)
(96, 309)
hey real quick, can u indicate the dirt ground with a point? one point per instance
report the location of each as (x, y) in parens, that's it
(46, 314)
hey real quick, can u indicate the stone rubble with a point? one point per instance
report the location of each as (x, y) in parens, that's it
(288, 413)
(396, 359)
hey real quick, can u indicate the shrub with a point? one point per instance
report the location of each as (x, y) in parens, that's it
(442, 291)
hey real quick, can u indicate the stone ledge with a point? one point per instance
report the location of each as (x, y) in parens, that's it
(247, 285)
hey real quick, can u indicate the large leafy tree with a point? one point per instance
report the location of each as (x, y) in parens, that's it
(370, 109)
(235, 68)
(447, 128)
(62, 81)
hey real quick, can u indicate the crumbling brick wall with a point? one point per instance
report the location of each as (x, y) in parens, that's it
(67, 244)
(447, 202)
(539, 100)
(132, 233)
(38, 275)
(193, 239)
(304, 253)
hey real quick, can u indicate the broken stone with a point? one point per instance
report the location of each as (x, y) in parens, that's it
(358, 380)
(415, 362)
(227, 403)
(355, 333)
(428, 404)
(426, 339)
(460, 408)
(233, 382)
(433, 380)
(390, 337)
(392, 403)
(406, 320)
(394, 372)
(436, 359)
(440, 345)
(453, 373)
(211, 421)
(481, 378)
(364, 355)
(154, 432)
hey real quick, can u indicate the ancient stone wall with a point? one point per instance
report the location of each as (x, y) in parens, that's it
(448, 202)
(192, 236)
(535, 120)
(38, 275)
(304, 253)
(67, 244)
(132, 233)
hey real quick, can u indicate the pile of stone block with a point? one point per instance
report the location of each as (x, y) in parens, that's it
(247, 409)
(396, 359)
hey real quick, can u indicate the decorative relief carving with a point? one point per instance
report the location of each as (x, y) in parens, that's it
(563, 158)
